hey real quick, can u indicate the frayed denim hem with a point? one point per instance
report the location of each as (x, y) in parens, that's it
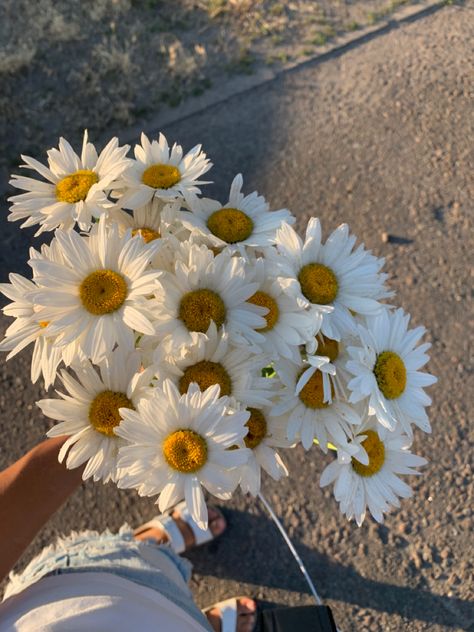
(116, 553)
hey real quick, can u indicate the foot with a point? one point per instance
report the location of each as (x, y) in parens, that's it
(217, 525)
(246, 615)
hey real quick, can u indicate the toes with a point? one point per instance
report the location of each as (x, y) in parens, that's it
(217, 523)
(217, 526)
(246, 615)
(246, 610)
(214, 618)
(245, 605)
(186, 531)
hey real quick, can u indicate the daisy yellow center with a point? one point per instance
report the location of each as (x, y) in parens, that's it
(257, 428)
(185, 451)
(312, 394)
(103, 292)
(161, 176)
(328, 347)
(43, 323)
(230, 224)
(199, 307)
(265, 300)
(206, 374)
(75, 187)
(375, 451)
(147, 234)
(391, 374)
(318, 283)
(104, 413)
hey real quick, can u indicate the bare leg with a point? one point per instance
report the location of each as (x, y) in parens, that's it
(31, 490)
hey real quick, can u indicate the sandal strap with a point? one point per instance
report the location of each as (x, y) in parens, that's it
(175, 538)
(228, 610)
(201, 536)
(169, 526)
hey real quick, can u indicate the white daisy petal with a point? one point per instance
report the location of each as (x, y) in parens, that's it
(78, 186)
(331, 276)
(383, 373)
(373, 484)
(184, 450)
(195, 501)
(91, 412)
(157, 173)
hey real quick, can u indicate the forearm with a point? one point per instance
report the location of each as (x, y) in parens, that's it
(31, 490)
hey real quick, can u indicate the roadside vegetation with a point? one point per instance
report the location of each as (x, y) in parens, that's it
(107, 64)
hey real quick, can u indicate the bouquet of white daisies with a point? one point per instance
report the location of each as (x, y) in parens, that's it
(195, 340)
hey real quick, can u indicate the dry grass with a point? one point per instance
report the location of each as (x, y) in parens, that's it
(104, 64)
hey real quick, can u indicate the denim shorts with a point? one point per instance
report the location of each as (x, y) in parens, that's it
(147, 563)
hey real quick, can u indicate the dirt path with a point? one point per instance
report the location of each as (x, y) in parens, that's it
(381, 137)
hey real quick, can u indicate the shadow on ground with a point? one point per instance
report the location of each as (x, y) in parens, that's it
(242, 560)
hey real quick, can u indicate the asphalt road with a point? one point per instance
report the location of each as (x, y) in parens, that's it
(379, 135)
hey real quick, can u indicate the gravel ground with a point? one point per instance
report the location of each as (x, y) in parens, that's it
(379, 136)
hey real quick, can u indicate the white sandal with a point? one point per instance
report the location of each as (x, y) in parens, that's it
(166, 523)
(229, 614)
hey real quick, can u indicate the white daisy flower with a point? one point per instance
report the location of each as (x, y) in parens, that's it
(386, 369)
(96, 298)
(288, 325)
(155, 220)
(353, 448)
(336, 353)
(29, 327)
(210, 360)
(75, 190)
(310, 416)
(178, 443)
(145, 221)
(331, 277)
(206, 288)
(89, 413)
(51, 252)
(243, 221)
(161, 172)
(265, 433)
(370, 481)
